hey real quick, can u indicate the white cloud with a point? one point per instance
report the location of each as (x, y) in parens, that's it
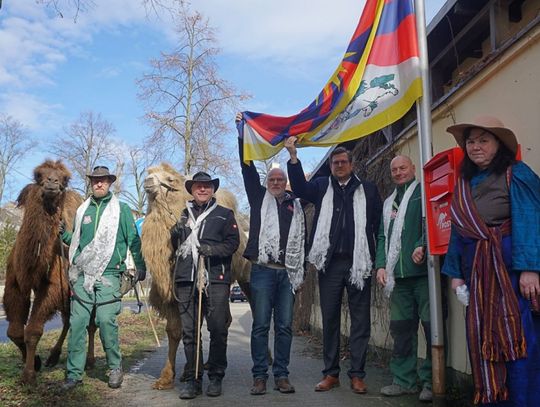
(291, 29)
(109, 72)
(36, 114)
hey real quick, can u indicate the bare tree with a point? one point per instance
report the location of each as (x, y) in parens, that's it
(87, 142)
(15, 143)
(138, 160)
(76, 7)
(186, 101)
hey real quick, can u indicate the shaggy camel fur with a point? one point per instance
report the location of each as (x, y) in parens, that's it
(167, 197)
(35, 264)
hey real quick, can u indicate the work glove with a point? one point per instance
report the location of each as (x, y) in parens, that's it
(62, 228)
(180, 230)
(140, 275)
(205, 250)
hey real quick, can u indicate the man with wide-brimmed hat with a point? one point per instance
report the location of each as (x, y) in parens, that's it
(104, 230)
(205, 238)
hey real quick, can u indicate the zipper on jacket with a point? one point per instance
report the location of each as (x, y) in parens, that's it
(98, 206)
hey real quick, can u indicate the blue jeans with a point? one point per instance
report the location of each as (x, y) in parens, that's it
(271, 291)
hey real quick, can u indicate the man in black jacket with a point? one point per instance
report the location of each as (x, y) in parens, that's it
(207, 234)
(276, 249)
(347, 216)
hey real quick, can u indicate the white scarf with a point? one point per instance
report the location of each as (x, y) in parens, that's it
(95, 256)
(393, 247)
(361, 267)
(190, 246)
(269, 238)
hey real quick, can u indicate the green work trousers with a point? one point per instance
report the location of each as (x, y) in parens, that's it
(409, 304)
(105, 320)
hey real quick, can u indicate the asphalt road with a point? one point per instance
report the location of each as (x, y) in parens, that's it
(55, 323)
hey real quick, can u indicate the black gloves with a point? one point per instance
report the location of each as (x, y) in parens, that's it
(180, 230)
(205, 250)
(140, 275)
(62, 228)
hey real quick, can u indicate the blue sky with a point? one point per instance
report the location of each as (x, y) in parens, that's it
(52, 69)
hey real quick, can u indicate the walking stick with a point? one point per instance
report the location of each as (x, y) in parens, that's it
(201, 284)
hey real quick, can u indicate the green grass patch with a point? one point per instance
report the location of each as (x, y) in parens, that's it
(136, 339)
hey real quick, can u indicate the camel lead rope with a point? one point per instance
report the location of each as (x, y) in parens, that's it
(201, 285)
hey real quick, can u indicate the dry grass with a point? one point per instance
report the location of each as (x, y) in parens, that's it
(136, 338)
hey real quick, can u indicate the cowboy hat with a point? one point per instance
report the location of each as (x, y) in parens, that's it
(202, 177)
(491, 125)
(102, 171)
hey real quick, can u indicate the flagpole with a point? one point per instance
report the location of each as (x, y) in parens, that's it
(423, 106)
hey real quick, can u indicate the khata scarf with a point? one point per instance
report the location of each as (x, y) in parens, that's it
(190, 246)
(95, 256)
(493, 318)
(361, 267)
(393, 245)
(269, 238)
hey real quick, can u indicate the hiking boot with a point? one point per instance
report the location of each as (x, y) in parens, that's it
(283, 385)
(397, 390)
(426, 395)
(259, 387)
(116, 377)
(214, 388)
(191, 389)
(70, 384)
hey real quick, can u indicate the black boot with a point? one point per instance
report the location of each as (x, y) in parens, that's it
(191, 389)
(214, 388)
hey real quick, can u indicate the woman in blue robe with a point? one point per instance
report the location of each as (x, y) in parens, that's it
(495, 251)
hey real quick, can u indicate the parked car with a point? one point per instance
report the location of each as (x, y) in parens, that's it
(237, 294)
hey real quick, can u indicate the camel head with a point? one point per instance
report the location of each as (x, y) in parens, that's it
(163, 179)
(53, 178)
(165, 184)
(50, 180)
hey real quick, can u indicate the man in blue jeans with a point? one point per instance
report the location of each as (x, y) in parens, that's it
(276, 249)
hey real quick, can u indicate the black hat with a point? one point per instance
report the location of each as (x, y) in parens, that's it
(202, 177)
(102, 171)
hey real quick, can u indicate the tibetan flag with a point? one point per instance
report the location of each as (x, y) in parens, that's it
(376, 83)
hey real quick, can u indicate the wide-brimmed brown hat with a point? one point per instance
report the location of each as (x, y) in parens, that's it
(202, 177)
(102, 171)
(490, 124)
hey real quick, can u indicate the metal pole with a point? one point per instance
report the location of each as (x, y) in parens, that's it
(423, 106)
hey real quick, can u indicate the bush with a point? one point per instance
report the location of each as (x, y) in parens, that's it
(8, 233)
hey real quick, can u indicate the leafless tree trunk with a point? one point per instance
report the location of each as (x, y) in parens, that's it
(15, 143)
(87, 142)
(138, 161)
(186, 101)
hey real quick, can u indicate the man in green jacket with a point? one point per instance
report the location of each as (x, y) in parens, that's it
(402, 271)
(104, 229)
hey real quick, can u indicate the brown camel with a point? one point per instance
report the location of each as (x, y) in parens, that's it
(35, 264)
(167, 197)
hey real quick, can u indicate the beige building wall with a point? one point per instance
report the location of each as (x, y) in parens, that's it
(510, 90)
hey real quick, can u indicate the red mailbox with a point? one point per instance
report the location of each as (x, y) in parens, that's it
(440, 175)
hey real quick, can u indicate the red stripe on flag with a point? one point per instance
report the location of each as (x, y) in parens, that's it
(394, 48)
(301, 127)
(269, 126)
(367, 18)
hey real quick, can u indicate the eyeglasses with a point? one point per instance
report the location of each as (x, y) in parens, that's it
(276, 180)
(338, 163)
